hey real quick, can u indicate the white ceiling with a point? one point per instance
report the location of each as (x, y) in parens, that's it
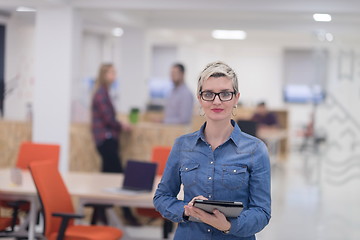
(264, 15)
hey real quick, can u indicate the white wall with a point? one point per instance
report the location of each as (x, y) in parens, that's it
(91, 56)
(19, 66)
(96, 48)
(134, 67)
(257, 60)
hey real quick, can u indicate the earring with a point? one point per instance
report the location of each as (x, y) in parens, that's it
(232, 112)
(201, 112)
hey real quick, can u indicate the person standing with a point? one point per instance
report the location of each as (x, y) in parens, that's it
(218, 162)
(106, 129)
(264, 118)
(180, 103)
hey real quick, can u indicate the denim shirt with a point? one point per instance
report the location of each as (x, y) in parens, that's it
(238, 170)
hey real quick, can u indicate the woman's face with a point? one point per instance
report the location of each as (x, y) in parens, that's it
(218, 110)
(110, 75)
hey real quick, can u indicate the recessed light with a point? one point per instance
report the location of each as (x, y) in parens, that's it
(25, 9)
(322, 17)
(329, 37)
(117, 32)
(229, 34)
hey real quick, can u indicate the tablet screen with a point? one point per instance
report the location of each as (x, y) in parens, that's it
(229, 209)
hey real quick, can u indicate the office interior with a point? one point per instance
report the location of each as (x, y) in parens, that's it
(307, 72)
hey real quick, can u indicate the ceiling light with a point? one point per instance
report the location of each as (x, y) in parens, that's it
(229, 34)
(117, 32)
(25, 9)
(322, 17)
(329, 37)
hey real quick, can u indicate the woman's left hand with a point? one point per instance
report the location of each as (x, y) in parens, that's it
(126, 127)
(217, 219)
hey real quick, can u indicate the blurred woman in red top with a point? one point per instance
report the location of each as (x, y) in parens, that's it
(106, 129)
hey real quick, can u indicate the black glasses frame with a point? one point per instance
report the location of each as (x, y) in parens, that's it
(217, 94)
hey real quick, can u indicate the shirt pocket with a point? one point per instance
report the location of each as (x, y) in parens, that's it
(233, 177)
(188, 173)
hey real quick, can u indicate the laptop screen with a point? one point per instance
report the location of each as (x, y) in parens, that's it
(139, 175)
(249, 127)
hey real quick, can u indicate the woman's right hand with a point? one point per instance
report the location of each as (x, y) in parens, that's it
(191, 203)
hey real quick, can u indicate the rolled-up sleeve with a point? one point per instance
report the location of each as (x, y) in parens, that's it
(165, 198)
(258, 214)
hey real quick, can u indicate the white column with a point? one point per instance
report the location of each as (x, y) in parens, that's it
(54, 40)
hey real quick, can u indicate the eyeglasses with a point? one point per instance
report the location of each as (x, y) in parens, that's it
(210, 96)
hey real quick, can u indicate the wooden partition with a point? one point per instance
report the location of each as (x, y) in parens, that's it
(83, 154)
(136, 144)
(12, 134)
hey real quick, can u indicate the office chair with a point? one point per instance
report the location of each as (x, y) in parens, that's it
(5, 222)
(34, 152)
(30, 152)
(6, 226)
(58, 209)
(159, 155)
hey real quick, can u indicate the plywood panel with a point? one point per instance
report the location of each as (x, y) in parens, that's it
(12, 134)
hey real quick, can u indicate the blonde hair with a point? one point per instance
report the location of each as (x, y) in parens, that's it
(217, 69)
(101, 78)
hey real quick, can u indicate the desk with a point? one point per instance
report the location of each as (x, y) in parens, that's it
(25, 191)
(87, 187)
(90, 187)
(273, 137)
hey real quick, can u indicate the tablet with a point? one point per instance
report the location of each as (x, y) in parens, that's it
(229, 209)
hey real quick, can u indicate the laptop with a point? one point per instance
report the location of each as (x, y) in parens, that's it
(138, 178)
(247, 126)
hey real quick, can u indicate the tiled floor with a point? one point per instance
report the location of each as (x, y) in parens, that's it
(305, 206)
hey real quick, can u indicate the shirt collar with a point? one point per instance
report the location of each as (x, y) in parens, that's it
(234, 136)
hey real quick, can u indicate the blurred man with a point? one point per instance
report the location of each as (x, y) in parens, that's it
(264, 117)
(179, 105)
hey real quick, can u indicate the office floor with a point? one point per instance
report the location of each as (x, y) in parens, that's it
(305, 205)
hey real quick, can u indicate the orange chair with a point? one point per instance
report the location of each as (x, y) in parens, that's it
(31, 152)
(5, 222)
(58, 208)
(159, 155)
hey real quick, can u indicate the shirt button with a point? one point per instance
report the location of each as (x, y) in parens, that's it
(209, 178)
(209, 230)
(211, 162)
(209, 196)
(234, 170)
(186, 168)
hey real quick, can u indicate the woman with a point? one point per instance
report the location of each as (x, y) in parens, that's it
(106, 129)
(218, 162)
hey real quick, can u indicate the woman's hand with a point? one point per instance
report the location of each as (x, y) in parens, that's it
(126, 127)
(217, 219)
